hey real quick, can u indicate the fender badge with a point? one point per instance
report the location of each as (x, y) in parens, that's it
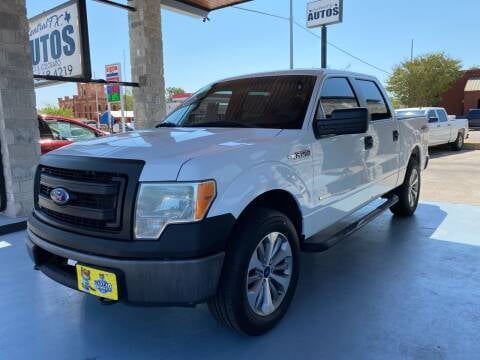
(300, 155)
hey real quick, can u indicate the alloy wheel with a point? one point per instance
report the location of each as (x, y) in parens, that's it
(269, 274)
(414, 188)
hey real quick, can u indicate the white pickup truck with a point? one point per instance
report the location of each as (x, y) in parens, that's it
(443, 129)
(216, 204)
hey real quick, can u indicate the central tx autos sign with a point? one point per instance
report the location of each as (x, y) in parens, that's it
(55, 42)
(324, 12)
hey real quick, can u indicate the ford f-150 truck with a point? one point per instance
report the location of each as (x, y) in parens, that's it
(216, 203)
(442, 128)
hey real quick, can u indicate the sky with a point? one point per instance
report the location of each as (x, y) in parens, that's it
(236, 42)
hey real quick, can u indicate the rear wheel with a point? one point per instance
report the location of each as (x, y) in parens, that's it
(409, 192)
(260, 273)
(458, 144)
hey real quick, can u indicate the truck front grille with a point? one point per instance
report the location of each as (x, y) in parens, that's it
(95, 198)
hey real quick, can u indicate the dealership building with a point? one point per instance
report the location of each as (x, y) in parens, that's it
(463, 95)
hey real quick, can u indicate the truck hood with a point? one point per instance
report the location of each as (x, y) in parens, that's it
(165, 150)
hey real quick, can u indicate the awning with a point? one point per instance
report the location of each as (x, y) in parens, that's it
(211, 5)
(473, 84)
(199, 8)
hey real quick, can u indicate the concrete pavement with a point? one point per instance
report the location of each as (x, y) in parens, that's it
(398, 289)
(454, 177)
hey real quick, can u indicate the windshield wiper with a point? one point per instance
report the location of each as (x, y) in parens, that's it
(219, 124)
(165, 125)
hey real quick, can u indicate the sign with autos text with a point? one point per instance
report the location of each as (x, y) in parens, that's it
(56, 42)
(112, 73)
(324, 12)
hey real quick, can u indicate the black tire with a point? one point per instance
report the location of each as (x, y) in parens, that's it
(405, 207)
(459, 143)
(230, 305)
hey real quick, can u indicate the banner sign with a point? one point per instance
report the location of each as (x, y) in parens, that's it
(56, 42)
(112, 73)
(324, 12)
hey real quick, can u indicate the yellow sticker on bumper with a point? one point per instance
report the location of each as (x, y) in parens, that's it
(97, 282)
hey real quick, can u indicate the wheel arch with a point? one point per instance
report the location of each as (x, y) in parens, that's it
(416, 154)
(280, 200)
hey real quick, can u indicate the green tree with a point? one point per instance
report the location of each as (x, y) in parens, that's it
(423, 81)
(128, 100)
(54, 110)
(173, 91)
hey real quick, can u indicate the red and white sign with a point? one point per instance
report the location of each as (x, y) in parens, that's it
(113, 74)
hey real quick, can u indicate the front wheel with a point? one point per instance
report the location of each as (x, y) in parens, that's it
(260, 273)
(409, 192)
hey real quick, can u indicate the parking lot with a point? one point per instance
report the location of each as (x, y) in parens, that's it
(454, 177)
(398, 289)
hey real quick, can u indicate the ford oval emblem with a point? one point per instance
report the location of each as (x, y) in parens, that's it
(59, 196)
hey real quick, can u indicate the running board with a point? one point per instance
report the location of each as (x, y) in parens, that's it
(324, 245)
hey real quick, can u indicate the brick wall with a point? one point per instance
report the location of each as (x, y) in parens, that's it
(456, 100)
(84, 103)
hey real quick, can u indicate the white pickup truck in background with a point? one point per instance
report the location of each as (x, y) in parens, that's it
(443, 129)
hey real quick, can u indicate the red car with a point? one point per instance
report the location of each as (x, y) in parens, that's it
(57, 131)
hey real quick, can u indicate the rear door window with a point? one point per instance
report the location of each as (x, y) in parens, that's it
(442, 116)
(337, 94)
(376, 104)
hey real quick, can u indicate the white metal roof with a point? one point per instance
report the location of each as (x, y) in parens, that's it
(118, 114)
(473, 84)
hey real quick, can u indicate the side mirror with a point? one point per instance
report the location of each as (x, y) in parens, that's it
(433, 120)
(343, 122)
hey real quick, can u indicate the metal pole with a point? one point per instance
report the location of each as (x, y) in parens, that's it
(291, 34)
(411, 51)
(324, 47)
(110, 125)
(96, 101)
(122, 103)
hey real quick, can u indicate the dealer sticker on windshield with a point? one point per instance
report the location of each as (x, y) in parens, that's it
(97, 282)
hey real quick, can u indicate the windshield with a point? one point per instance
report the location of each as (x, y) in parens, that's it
(276, 102)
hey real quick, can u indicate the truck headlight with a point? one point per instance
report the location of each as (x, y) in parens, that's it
(161, 204)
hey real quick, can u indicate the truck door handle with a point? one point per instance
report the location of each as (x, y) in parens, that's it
(424, 128)
(396, 135)
(368, 142)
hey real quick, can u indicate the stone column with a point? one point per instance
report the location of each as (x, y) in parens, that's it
(19, 135)
(146, 54)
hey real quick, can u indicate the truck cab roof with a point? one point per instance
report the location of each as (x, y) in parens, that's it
(306, 72)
